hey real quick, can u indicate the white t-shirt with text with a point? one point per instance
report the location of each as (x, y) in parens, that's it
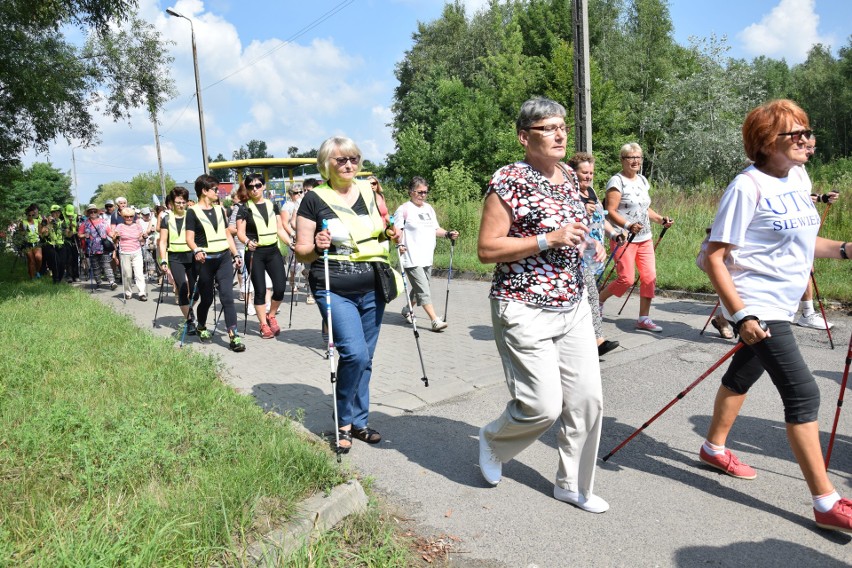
(772, 226)
(418, 225)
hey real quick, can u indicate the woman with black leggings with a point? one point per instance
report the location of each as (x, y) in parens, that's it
(175, 256)
(259, 227)
(210, 242)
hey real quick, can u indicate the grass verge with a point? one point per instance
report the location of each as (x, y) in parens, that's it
(118, 450)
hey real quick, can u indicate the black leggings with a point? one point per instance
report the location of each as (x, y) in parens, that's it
(184, 275)
(780, 357)
(218, 269)
(265, 260)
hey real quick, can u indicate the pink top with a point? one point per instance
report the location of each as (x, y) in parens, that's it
(129, 237)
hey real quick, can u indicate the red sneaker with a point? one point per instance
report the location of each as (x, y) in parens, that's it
(265, 332)
(273, 324)
(728, 463)
(839, 518)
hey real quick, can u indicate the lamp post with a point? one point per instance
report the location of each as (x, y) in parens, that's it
(171, 12)
(76, 187)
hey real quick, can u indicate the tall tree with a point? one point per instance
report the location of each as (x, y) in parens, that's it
(41, 184)
(49, 84)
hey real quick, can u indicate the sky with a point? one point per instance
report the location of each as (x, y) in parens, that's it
(293, 73)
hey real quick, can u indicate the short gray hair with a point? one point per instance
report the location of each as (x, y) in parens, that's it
(629, 148)
(537, 109)
(341, 143)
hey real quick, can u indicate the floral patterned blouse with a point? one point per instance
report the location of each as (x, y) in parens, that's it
(553, 278)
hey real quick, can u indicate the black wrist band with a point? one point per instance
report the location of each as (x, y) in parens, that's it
(843, 254)
(824, 198)
(744, 319)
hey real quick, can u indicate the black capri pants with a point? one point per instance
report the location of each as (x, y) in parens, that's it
(267, 260)
(216, 267)
(184, 275)
(779, 356)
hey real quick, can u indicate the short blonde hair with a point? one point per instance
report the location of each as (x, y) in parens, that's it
(340, 143)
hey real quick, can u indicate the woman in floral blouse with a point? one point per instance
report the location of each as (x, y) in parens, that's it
(532, 223)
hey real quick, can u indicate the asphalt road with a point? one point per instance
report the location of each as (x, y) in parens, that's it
(667, 509)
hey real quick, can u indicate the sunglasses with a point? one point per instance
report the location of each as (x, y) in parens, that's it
(421, 193)
(341, 161)
(297, 192)
(255, 185)
(374, 183)
(128, 216)
(797, 135)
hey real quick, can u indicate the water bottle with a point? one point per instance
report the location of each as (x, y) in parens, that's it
(595, 231)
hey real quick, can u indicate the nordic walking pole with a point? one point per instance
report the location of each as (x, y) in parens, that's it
(425, 379)
(611, 270)
(821, 308)
(218, 292)
(160, 297)
(716, 307)
(662, 234)
(839, 403)
(245, 294)
(91, 274)
(449, 279)
(293, 289)
(606, 264)
(186, 321)
(332, 371)
(682, 394)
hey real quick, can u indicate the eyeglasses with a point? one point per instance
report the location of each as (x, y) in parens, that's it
(341, 161)
(128, 216)
(297, 192)
(550, 129)
(632, 158)
(179, 202)
(421, 193)
(109, 205)
(256, 185)
(797, 135)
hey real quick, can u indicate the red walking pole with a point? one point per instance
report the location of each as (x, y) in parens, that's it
(716, 307)
(839, 402)
(680, 395)
(629, 240)
(822, 309)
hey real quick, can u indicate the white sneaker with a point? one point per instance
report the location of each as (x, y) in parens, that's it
(251, 310)
(491, 466)
(406, 313)
(438, 325)
(813, 321)
(592, 503)
(648, 325)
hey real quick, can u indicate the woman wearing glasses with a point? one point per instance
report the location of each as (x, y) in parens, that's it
(628, 205)
(380, 197)
(419, 225)
(175, 256)
(288, 217)
(352, 240)
(761, 249)
(212, 247)
(131, 235)
(533, 221)
(259, 228)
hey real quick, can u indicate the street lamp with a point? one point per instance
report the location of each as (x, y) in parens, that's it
(171, 12)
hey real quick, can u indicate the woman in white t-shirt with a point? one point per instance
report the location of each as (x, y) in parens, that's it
(420, 228)
(628, 205)
(762, 246)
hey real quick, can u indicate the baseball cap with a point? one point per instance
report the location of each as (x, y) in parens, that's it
(69, 209)
(55, 208)
(146, 211)
(109, 202)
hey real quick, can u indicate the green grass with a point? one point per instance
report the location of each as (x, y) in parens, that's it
(676, 269)
(116, 449)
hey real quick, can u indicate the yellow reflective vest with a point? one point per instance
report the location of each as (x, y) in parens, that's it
(267, 231)
(366, 238)
(217, 239)
(177, 237)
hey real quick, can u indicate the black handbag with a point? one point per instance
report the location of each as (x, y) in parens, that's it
(387, 281)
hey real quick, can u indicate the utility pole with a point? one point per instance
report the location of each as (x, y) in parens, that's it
(582, 89)
(159, 158)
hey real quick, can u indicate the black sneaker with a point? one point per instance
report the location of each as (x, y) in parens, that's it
(237, 345)
(190, 328)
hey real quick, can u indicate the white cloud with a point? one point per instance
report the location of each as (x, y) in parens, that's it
(789, 30)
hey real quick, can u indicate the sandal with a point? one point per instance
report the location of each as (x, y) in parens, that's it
(723, 327)
(367, 434)
(345, 443)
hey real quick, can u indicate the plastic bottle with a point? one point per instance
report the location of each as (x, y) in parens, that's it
(595, 228)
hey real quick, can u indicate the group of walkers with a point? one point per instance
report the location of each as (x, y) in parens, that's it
(544, 228)
(759, 255)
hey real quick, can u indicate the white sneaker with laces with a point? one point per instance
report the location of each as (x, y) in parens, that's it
(438, 325)
(406, 313)
(592, 503)
(813, 321)
(491, 466)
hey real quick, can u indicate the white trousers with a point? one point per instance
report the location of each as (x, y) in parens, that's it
(551, 363)
(132, 267)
